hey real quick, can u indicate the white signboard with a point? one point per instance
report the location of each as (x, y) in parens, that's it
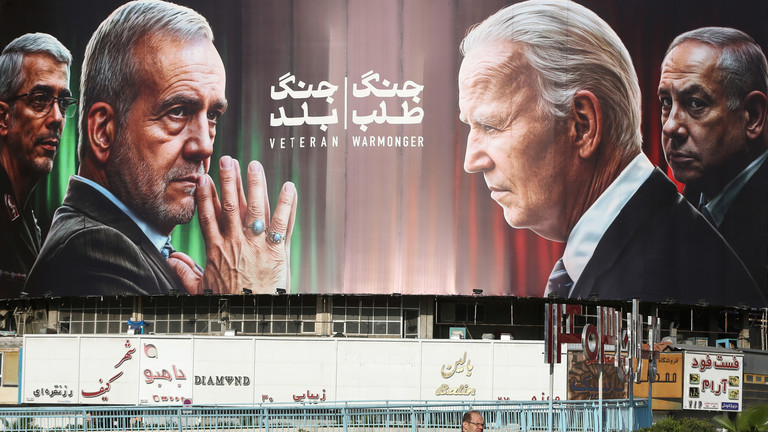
(518, 374)
(378, 370)
(49, 370)
(304, 371)
(713, 381)
(167, 375)
(223, 370)
(458, 371)
(176, 370)
(109, 371)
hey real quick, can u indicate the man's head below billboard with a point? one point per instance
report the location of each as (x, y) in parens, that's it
(553, 104)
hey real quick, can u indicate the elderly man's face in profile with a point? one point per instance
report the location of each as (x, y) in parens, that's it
(700, 134)
(166, 144)
(510, 140)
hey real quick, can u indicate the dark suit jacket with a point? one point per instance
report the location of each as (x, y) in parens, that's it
(19, 237)
(93, 248)
(745, 226)
(659, 248)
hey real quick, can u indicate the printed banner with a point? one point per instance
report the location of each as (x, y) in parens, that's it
(357, 103)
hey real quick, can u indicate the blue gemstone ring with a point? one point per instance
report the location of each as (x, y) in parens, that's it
(275, 238)
(257, 227)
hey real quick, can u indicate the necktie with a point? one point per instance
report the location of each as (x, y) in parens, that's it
(559, 284)
(167, 249)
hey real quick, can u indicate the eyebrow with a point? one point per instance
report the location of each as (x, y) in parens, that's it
(695, 88)
(688, 91)
(183, 99)
(50, 90)
(179, 99)
(221, 105)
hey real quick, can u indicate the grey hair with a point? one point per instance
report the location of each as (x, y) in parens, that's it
(570, 49)
(111, 71)
(11, 72)
(742, 63)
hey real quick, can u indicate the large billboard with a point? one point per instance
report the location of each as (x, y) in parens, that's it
(357, 103)
(138, 370)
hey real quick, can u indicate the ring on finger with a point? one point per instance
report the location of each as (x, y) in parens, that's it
(257, 227)
(275, 237)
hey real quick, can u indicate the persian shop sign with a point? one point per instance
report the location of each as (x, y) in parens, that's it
(712, 381)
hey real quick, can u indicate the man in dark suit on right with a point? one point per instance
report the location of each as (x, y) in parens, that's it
(713, 88)
(553, 103)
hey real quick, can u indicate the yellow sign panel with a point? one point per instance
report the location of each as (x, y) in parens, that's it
(667, 391)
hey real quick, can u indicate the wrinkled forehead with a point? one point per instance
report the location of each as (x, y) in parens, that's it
(495, 65)
(41, 69)
(692, 57)
(151, 53)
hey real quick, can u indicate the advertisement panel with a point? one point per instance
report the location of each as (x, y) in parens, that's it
(584, 379)
(300, 372)
(167, 374)
(49, 371)
(668, 384)
(457, 372)
(234, 370)
(224, 370)
(109, 371)
(713, 382)
(358, 104)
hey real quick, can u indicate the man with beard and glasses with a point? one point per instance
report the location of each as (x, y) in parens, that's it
(148, 121)
(34, 103)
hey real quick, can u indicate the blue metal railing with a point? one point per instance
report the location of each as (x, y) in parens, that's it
(523, 416)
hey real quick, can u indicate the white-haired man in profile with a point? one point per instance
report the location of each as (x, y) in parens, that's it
(553, 102)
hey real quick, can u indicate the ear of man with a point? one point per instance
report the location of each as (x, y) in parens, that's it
(585, 125)
(101, 131)
(756, 107)
(5, 117)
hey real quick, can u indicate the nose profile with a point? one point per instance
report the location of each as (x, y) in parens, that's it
(475, 158)
(673, 126)
(200, 137)
(55, 119)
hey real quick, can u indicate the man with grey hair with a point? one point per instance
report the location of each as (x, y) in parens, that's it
(35, 101)
(553, 102)
(713, 88)
(153, 89)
